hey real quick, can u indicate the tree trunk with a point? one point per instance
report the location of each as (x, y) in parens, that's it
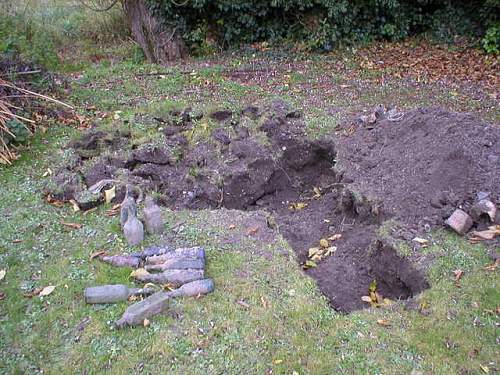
(159, 42)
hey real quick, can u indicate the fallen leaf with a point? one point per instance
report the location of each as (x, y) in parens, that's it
(113, 211)
(264, 302)
(317, 192)
(485, 369)
(309, 264)
(32, 293)
(313, 251)
(2, 274)
(493, 267)
(243, 303)
(458, 274)
(48, 172)
(252, 231)
(232, 226)
(297, 206)
(335, 237)
(54, 202)
(17, 241)
(421, 241)
(146, 323)
(97, 254)
(76, 208)
(383, 323)
(366, 299)
(109, 194)
(2, 296)
(46, 291)
(72, 225)
(323, 243)
(277, 361)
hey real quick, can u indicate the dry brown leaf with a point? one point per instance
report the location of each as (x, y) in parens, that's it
(17, 241)
(458, 274)
(252, 231)
(323, 243)
(366, 299)
(2, 274)
(54, 202)
(264, 302)
(297, 206)
(76, 208)
(383, 323)
(139, 272)
(47, 291)
(493, 267)
(2, 296)
(72, 225)
(146, 322)
(421, 241)
(97, 254)
(335, 237)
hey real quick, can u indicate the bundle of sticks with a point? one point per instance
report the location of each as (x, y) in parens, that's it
(10, 112)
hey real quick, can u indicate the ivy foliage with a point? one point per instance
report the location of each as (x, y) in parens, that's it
(323, 24)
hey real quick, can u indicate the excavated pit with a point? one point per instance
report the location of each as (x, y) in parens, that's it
(261, 159)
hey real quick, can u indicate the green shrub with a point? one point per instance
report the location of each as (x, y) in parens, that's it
(491, 41)
(322, 24)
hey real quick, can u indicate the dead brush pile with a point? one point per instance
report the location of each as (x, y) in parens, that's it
(15, 126)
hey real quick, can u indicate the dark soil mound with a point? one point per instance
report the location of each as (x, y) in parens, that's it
(414, 171)
(421, 168)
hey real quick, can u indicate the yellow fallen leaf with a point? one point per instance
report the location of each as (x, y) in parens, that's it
(47, 290)
(313, 251)
(110, 194)
(309, 264)
(323, 243)
(2, 274)
(421, 241)
(317, 193)
(277, 361)
(297, 206)
(373, 286)
(146, 322)
(485, 369)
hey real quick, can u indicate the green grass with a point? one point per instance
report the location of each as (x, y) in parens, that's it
(288, 326)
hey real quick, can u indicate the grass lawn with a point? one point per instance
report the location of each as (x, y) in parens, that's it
(265, 316)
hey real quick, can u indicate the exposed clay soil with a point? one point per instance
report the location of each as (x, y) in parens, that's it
(415, 171)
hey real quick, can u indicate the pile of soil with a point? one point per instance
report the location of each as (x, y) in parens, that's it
(413, 171)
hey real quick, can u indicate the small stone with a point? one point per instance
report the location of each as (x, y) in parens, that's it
(484, 207)
(459, 221)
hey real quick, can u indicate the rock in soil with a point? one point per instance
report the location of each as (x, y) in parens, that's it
(460, 221)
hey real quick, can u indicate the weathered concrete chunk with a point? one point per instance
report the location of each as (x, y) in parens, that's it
(189, 252)
(113, 293)
(152, 217)
(484, 207)
(459, 221)
(176, 263)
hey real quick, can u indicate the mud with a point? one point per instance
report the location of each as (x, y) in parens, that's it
(413, 171)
